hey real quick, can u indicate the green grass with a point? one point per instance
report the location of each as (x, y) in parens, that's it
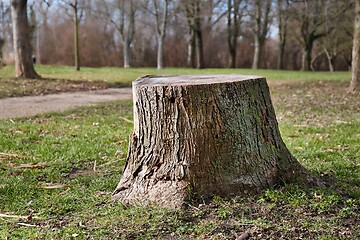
(121, 75)
(65, 78)
(319, 122)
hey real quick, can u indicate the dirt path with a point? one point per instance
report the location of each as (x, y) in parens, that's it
(32, 105)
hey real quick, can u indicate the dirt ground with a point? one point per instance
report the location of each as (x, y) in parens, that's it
(31, 105)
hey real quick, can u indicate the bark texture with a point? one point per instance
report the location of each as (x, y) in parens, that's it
(203, 136)
(22, 48)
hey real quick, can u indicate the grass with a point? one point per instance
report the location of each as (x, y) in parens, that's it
(116, 75)
(65, 78)
(58, 172)
(113, 74)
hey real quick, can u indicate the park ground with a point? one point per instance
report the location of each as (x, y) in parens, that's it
(58, 170)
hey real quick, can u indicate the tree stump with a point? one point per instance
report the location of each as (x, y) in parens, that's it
(204, 135)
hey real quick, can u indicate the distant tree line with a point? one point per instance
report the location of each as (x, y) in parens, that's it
(283, 34)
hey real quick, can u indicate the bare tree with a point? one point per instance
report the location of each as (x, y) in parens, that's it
(195, 45)
(74, 6)
(334, 44)
(160, 9)
(235, 13)
(3, 11)
(43, 8)
(261, 23)
(355, 71)
(22, 48)
(314, 18)
(121, 14)
(282, 18)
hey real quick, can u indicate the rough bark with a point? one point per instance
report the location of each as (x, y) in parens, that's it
(355, 70)
(203, 136)
(22, 48)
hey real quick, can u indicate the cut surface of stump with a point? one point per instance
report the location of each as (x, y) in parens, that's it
(204, 135)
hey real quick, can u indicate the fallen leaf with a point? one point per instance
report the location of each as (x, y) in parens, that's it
(3, 185)
(54, 186)
(338, 148)
(26, 224)
(126, 120)
(298, 148)
(63, 192)
(99, 194)
(317, 197)
(119, 142)
(14, 216)
(4, 156)
(31, 165)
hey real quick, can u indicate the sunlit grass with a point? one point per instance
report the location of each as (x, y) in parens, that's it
(81, 154)
(122, 75)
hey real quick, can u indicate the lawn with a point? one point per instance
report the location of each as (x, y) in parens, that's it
(58, 170)
(65, 78)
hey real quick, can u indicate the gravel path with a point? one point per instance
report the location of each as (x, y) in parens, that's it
(32, 105)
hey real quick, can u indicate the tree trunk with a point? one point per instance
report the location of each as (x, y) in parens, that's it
(160, 52)
(282, 17)
(232, 50)
(232, 30)
(76, 38)
(257, 54)
(2, 42)
(191, 49)
(22, 48)
(355, 70)
(161, 25)
(280, 62)
(198, 36)
(199, 49)
(127, 53)
(307, 58)
(331, 62)
(203, 136)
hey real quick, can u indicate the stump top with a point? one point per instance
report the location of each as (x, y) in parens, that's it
(181, 80)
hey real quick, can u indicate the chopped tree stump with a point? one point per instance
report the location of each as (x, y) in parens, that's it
(204, 135)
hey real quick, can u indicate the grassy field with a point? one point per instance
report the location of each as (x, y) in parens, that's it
(58, 170)
(65, 78)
